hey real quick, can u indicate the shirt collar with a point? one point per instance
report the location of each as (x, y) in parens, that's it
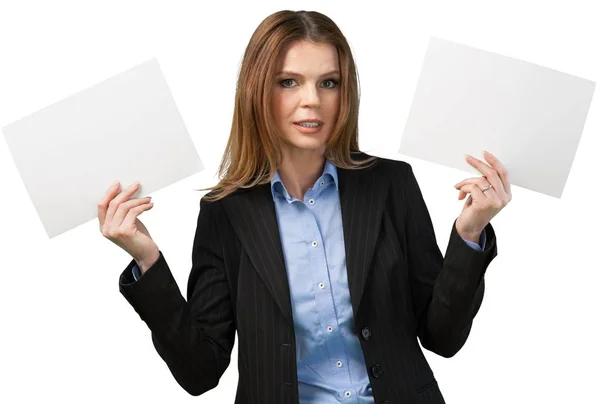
(329, 175)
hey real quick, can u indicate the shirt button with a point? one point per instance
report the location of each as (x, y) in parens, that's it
(321, 285)
(314, 244)
(329, 328)
(347, 394)
(339, 364)
(322, 183)
(311, 201)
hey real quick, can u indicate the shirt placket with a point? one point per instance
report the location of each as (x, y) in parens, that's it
(324, 295)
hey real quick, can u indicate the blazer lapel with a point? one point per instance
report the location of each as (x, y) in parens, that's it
(252, 214)
(362, 199)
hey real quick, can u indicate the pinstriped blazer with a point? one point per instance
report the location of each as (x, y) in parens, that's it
(402, 291)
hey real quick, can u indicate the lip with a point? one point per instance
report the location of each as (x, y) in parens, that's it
(308, 130)
(311, 121)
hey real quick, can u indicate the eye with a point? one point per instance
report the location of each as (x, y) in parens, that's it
(333, 81)
(282, 82)
(287, 83)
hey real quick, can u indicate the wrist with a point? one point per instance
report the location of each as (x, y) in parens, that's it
(468, 234)
(145, 263)
(472, 237)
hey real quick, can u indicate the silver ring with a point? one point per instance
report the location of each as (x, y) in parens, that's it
(486, 188)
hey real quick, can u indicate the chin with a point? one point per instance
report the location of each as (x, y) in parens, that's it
(306, 141)
(313, 144)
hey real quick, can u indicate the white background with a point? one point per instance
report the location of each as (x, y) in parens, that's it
(67, 334)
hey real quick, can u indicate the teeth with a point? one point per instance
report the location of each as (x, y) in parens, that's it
(308, 124)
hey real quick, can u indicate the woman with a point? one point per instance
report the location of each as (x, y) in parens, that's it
(323, 259)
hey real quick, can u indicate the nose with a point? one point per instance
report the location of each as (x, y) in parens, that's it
(310, 96)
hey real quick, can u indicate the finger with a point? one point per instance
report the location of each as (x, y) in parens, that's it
(501, 170)
(125, 195)
(125, 207)
(482, 181)
(488, 172)
(475, 192)
(103, 203)
(135, 212)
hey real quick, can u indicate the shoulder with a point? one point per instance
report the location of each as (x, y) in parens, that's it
(384, 166)
(399, 176)
(206, 200)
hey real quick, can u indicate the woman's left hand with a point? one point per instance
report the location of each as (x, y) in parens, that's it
(489, 195)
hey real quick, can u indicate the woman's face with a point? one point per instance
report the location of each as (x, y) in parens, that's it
(307, 87)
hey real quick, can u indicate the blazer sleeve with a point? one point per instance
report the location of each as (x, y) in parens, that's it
(447, 292)
(194, 337)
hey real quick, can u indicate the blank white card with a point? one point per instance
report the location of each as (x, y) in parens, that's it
(469, 100)
(126, 127)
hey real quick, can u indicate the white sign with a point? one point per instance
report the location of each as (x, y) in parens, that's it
(468, 100)
(125, 128)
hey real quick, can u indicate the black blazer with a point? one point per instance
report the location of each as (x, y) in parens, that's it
(400, 285)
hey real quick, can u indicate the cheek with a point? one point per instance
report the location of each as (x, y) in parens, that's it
(333, 104)
(282, 108)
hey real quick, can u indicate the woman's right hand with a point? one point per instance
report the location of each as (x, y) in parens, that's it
(117, 214)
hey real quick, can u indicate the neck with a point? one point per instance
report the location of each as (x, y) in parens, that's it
(300, 169)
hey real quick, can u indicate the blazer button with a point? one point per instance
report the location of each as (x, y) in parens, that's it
(376, 371)
(366, 333)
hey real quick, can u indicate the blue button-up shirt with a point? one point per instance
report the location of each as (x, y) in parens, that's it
(331, 366)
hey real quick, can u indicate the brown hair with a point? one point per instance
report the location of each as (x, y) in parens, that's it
(253, 151)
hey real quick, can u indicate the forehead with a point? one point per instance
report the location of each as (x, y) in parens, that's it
(306, 57)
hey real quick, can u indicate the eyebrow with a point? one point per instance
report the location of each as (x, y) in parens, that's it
(290, 73)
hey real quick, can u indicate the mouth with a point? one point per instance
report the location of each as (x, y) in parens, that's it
(309, 123)
(308, 127)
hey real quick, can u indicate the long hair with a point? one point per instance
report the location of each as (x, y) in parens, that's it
(253, 152)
